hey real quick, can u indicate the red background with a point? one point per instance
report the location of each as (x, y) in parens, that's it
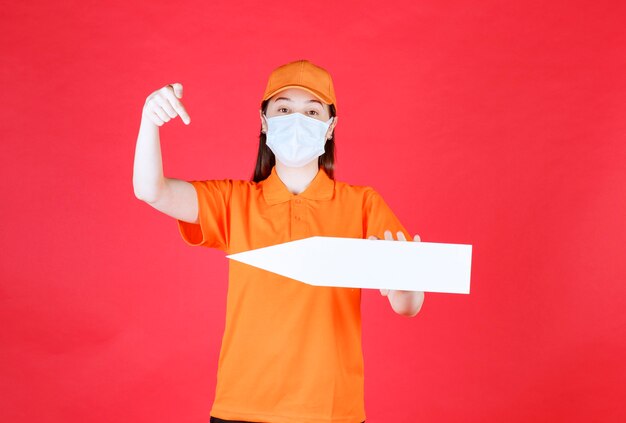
(497, 124)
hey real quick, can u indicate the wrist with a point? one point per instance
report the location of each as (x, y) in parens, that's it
(147, 122)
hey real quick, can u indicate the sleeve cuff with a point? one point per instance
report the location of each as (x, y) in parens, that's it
(191, 233)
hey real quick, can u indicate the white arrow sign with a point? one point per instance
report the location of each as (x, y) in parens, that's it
(365, 263)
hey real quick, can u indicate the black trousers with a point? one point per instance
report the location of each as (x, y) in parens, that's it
(216, 420)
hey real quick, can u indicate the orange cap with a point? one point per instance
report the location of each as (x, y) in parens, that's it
(302, 74)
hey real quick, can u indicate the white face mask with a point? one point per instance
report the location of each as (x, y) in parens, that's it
(296, 139)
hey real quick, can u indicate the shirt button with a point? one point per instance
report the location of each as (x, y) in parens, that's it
(298, 201)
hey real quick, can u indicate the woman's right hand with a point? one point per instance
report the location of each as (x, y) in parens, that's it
(164, 104)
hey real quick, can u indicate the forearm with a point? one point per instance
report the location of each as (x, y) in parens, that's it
(148, 179)
(406, 303)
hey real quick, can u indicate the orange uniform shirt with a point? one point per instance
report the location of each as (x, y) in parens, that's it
(291, 352)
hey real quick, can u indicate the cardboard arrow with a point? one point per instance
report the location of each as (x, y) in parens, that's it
(364, 263)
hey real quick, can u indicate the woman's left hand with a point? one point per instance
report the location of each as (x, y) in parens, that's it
(406, 303)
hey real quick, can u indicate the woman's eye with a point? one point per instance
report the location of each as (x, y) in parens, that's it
(313, 112)
(281, 110)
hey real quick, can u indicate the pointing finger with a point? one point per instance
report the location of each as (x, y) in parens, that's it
(178, 105)
(401, 236)
(388, 235)
(417, 238)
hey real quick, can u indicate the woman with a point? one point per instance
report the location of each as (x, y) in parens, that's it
(291, 352)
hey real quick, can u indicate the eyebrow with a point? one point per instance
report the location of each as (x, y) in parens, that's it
(288, 99)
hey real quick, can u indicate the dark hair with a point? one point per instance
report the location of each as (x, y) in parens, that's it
(265, 159)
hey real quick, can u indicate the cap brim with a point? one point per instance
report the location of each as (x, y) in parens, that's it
(323, 98)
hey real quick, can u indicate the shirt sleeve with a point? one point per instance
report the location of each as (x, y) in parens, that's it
(378, 217)
(213, 215)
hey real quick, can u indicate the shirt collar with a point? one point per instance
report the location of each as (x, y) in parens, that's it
(274, 190)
